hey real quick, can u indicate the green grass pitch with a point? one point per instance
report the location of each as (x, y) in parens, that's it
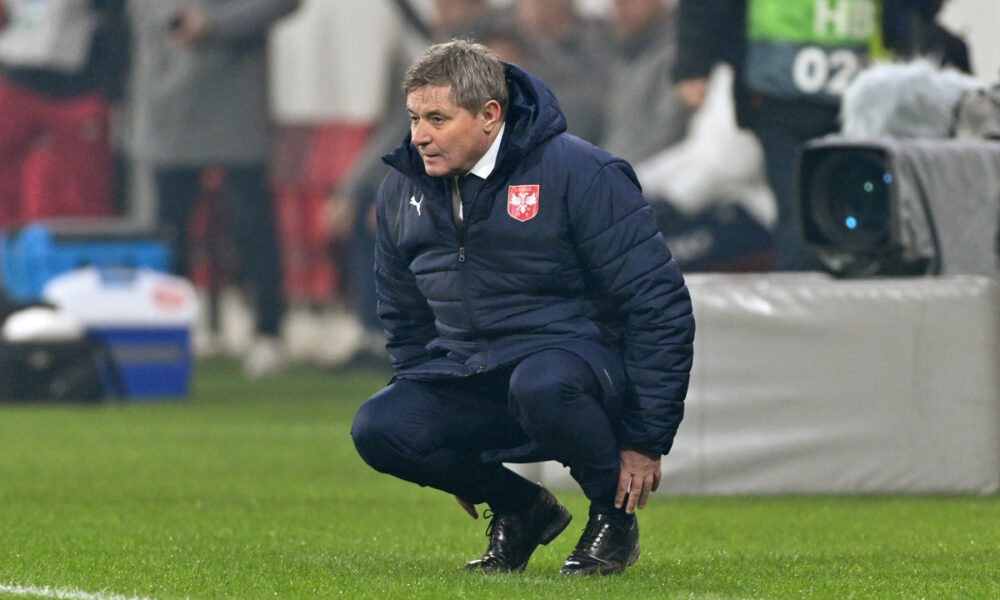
(253, 490)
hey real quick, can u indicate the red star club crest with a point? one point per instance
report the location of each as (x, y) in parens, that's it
(522, 201)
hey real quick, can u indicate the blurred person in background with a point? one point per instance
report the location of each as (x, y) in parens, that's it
(911, 29)
(62, 68)
(507, 41)
(645, 114)
(569, 53)
(532, 312)
(201, 102)
(452, 18)
(793, 60)
(326, 100)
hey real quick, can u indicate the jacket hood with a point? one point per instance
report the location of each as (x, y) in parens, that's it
(533, 116)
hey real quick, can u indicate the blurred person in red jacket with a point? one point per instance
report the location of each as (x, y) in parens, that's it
(62, 66)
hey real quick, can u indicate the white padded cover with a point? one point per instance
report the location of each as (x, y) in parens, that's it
(806, 384)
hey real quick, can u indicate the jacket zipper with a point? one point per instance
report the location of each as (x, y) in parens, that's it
(461, 258)
(462, 230)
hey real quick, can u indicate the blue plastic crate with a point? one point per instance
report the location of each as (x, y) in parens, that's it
(32, 255)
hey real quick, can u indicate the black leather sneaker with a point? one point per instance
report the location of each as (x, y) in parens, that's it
(609, 544)
(513, 537)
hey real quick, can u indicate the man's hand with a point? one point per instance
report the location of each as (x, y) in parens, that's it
(693, 91)
(190, 26)
(639, 474)
(339, 213)
(468, 507)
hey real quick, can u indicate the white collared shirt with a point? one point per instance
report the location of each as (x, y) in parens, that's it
(481, 169)
(488, 162)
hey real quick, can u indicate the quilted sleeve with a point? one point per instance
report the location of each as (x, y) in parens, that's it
(623, 250)
(408, 320)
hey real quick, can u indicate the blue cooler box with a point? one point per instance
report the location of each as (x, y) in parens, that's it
(143, 317)
(32, 255)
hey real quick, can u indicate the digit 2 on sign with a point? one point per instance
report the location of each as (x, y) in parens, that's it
(817, 71)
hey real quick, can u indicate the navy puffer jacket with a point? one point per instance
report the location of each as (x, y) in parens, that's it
(588, 273)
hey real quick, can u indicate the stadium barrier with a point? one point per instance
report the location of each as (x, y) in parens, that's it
(807, 384)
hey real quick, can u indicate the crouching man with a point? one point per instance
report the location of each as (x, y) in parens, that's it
(532, 312)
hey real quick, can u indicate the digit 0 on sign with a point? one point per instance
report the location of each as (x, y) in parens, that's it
(811, 70)
(814, 71)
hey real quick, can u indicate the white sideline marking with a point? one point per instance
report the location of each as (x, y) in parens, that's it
(60, 593)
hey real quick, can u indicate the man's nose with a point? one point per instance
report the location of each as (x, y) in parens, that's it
(419, 134)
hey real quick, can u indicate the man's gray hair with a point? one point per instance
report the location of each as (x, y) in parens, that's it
(473, 71)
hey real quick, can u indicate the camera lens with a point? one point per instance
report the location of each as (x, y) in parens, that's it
(849, 198)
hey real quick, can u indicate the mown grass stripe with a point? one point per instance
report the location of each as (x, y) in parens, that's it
(32, 591)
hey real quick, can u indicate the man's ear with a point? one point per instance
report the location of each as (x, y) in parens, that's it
(491, 116)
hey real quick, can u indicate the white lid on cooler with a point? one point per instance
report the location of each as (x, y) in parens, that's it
(124, 297)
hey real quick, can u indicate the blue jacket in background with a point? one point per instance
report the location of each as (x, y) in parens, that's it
(589, 273)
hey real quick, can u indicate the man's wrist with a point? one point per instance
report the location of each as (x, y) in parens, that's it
(650, 454)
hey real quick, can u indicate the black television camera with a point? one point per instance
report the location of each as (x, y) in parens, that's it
(888, 206)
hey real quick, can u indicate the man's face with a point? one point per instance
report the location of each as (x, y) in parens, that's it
(629, 18)
(449, 139)
(453, 16)
(544, 18)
